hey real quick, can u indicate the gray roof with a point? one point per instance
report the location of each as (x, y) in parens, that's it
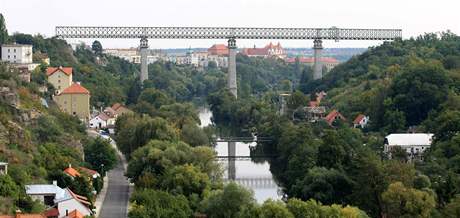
(3, 163)
(45, 189)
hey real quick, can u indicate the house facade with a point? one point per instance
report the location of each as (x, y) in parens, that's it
(59, 77)
(218, 50)
(74, 100)
(45, 193)
(327, 62)
(70, 202)
(269, 50)
(17, 53)
(361, 121)
(99, 121)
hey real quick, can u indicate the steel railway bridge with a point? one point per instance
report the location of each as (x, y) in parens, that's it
(231, 34)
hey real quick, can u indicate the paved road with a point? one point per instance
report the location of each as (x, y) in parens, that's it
(116, 201)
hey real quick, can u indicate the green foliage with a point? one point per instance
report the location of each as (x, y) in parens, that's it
(97, 48)
(100, 155)
(400, 201)
(8, 187)
(233, 201)
(149, 203)
(275, 209)
(3, 31)
(82, 186)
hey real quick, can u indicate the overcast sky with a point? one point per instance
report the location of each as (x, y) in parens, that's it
(414, 17)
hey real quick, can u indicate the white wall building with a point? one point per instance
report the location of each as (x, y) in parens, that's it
(45, 193)
(17, 53)
(413, 143)
(71, 202)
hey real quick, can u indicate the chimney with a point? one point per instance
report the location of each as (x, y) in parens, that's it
(70, 165)
(66, 213)
(18, 213)
(78, 83)
(54, 182)
(60, 67)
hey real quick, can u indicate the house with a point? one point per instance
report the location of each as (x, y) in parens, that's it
(333, 116)
(218, 50)
(269, 50)
(328, 62)
(315, 113)
(360, 121)
(72, 172)
(23, 215)
(92, 173)
(413, 143)
(59, 77)
(17, 53)
(74, 100)
(74, 214)
(3, 168)
(70, 202)
(99, 121)
(121, 109)
(45, 193)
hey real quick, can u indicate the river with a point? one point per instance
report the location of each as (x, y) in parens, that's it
(255, 176)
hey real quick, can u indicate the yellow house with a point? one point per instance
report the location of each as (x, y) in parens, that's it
(74, 100)
(59, 77)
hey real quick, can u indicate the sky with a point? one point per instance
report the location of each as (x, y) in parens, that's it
(413, 17)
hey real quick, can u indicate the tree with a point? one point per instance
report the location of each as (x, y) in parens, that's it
(452, 210)
(229, 202)
(325, 185)
(8, 187)
(100, 155)
(3, 31)
(147, 203)
(97, 48)
(400, 201)
(275, 209)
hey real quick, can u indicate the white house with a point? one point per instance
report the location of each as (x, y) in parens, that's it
(413, 143)
(99, 121)
(17, 53)
(361, 121)
(71, 201)
(45, 193)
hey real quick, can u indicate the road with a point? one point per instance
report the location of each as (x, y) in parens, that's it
(115, 203)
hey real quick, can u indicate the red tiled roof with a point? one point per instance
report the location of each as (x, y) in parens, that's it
(75, 214)
(358, 119)
(75, 89)
(312, 60)
(71, 172)
(51, 70)
(255, 51)
(333, 115)
(218, 49)
(103, 116)
(53, 212)
(88, 171)
(79, 198)
(116, 106)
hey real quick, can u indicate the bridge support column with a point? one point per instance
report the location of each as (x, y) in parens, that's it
(318, 65)
(143, 48)
(231, 161)
(231, 76)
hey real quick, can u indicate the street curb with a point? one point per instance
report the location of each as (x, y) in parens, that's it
(101, 197)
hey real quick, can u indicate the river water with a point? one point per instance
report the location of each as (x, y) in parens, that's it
(255, 176)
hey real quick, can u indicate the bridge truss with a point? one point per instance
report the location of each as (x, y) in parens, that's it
(227, 33)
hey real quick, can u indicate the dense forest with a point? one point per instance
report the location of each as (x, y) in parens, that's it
(405, 85)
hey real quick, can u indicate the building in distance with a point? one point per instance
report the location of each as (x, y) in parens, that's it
(414, 144)
(328, 62)
(269, 51)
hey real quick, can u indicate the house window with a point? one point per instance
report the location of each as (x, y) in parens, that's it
(8, 57)
(14, 56)
(59, 81)
(65, 102)
(14, 50)
(8, 50)
(74, 113)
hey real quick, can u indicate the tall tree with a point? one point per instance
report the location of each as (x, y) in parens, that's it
(3, 31)
(97, 47)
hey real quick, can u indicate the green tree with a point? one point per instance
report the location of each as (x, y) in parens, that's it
(400, 201)
(3, 31)
(147, 203)
(229, 202)
(275, 209)
(8, 187)
(452, 209)
(100, 155)
(97, 48)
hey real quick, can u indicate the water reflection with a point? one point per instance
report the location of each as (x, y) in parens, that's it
(255, 176)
